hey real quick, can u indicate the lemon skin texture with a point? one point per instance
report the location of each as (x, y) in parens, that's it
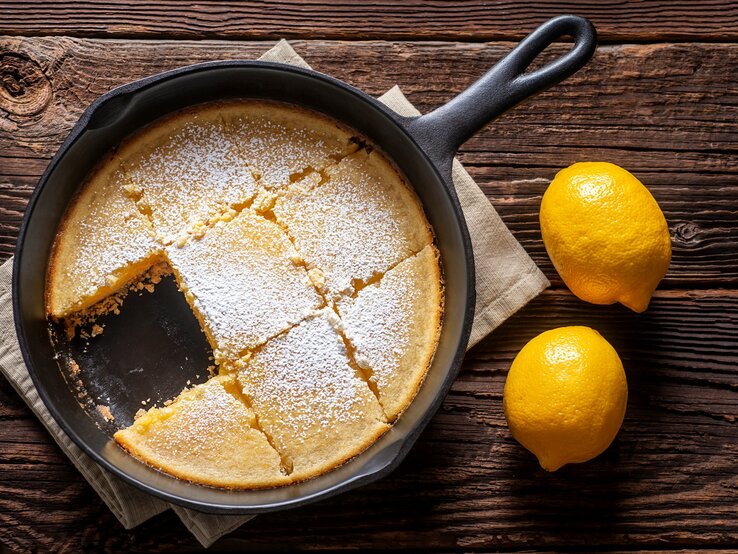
(565, 396)
(605, 234)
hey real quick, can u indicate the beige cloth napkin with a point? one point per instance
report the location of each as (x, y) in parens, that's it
(506, 280)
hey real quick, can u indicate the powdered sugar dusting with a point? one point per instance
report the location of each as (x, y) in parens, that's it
(206, 416)
(190, 175)
(109, 244)
(301, 385)
(250, 205)
(207, 434)
(104, 234)
(242, 279)
(379, 321)
(280, 141)
(360, 222)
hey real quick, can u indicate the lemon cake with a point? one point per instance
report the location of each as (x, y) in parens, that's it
(103, 244)
(354, 224)
(209, 435)
(393, 325)
(308, 262)
(185, 171)
(244, 282)
(281, 143)
(316, 408)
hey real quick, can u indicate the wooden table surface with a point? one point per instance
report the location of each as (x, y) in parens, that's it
(660, 98)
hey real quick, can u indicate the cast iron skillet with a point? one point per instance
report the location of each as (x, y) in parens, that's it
(422, 147)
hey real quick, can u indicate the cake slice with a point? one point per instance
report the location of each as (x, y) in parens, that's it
(244, 281)
(360, 222)
(282, 141)
(393, 326)
(103, 244)
(313, 405)
(207, 435)
(186, 170)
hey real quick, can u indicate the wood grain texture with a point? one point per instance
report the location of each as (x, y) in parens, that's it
(669, 481)
(465, 20)
(666, 112)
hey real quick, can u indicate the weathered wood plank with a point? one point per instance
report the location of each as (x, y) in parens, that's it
(668, 482)
(617, 20)
(667, 112)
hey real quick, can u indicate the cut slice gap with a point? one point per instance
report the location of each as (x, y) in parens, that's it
(189, 157)
(148, 352)
(143, 276)
(309, 397)
(365, 374)
(283, 140)
(308, 178)
(301, 179)
(198, 230)
(406, 301)
(357, 144)
(354, 145)
(314, 274)
(207, 435)
(358, 285)
(227, 213)
(300, 175)
(285, 463)
(336, 221)
(136, 195)
(227, 366)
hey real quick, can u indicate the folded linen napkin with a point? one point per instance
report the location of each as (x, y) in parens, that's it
(506, 279)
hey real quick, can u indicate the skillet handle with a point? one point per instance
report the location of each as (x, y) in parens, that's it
(444, 130)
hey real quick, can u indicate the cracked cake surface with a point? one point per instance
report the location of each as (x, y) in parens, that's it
(185, 170)
(316, 408)
(103, 244)
(207, 434)
(308, 262)
(281, 143)
(393, 326)
(356, 223)
(244, 282)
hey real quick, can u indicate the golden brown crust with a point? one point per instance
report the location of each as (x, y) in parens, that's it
(206, 435)
(393, 325)
(316, 408)
(102, 245)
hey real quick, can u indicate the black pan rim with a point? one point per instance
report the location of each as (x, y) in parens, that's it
(407, 442)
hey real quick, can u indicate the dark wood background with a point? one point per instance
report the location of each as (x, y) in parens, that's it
(660, 98)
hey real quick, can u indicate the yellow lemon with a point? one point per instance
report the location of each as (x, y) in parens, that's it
(605, 234)
(565, 396)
